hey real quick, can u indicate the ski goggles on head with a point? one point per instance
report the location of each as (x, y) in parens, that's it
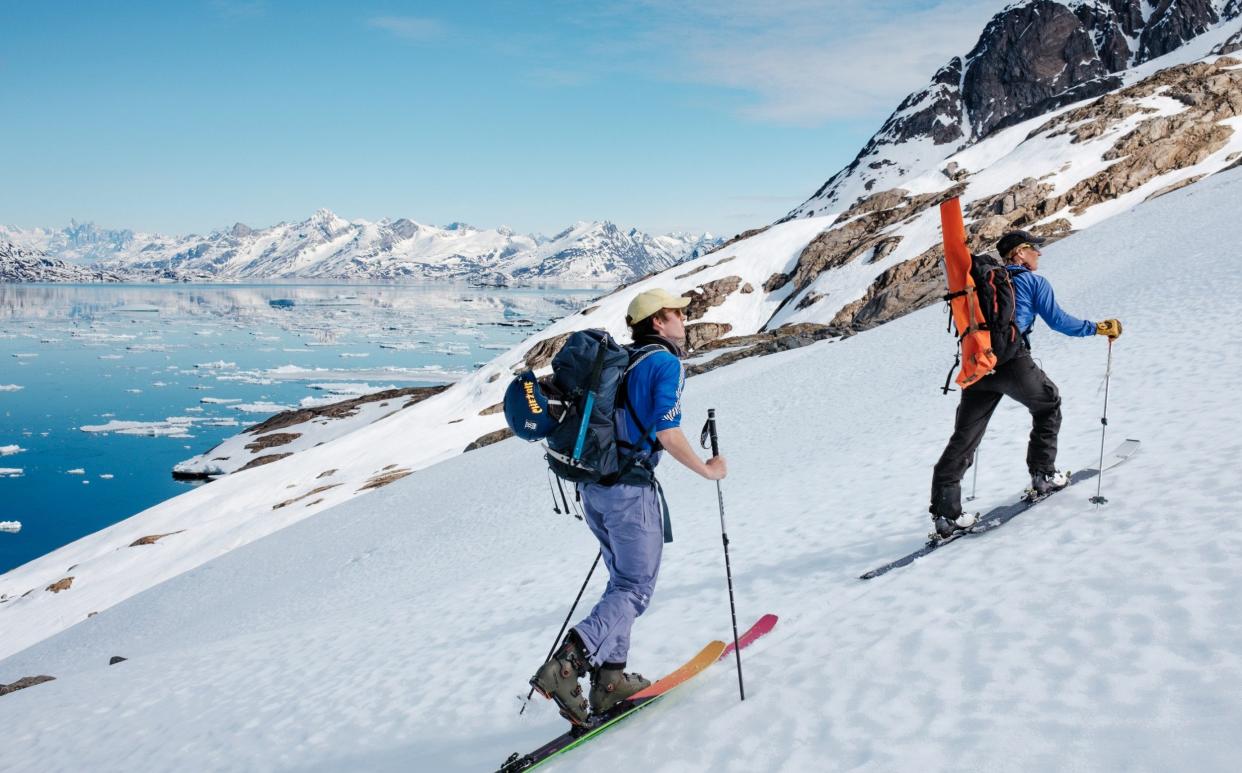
(1024, 245)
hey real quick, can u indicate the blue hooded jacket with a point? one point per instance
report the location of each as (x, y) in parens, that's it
(1033, 295)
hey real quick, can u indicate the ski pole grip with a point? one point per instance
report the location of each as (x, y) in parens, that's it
(711, 430)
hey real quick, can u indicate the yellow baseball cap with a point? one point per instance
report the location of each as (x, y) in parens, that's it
(649, 302)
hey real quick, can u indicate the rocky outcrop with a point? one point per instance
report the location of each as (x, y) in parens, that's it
(770, 342)
(710, 294)
(700, 334)
(24, 682)
(860, 231)
(341, 409)
(542, 353)
(64, 583)
(489, 438)
(258, 461)
(151, 539)
(274, 439)
(904, 288)
(1212, 92)
(381, 479)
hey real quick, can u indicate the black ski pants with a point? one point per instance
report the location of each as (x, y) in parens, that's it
(1024, 381)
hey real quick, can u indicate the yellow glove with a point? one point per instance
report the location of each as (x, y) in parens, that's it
(1109, 327)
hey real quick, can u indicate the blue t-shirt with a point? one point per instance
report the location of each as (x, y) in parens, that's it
(1033, 295)
(654, 391)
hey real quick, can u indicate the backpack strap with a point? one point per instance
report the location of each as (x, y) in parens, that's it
(635, 457)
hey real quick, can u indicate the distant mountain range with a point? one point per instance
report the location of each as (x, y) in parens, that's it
(326, 246)
(22, 265)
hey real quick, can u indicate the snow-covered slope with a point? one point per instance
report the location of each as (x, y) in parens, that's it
(326, 246)
(396, 631)
(736, 293)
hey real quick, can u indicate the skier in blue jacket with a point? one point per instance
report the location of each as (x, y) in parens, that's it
(1019, 378)
(629, 517)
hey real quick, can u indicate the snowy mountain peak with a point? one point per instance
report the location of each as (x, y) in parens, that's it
(1033, 57)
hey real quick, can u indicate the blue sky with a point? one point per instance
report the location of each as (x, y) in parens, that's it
(659, 114)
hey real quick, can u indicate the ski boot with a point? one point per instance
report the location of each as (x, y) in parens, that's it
(945, 527)
(610, 685)
(948, 520)
(557, 679)
(1043, 484)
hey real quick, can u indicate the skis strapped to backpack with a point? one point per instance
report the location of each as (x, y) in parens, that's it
(981, 301)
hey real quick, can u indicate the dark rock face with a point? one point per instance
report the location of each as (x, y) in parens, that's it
(1025, 56)
(1030, 59)
(1172, 24)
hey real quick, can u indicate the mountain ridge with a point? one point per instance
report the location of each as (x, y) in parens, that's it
(327, 246)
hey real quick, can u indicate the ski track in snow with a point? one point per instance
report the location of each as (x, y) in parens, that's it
(397, 630)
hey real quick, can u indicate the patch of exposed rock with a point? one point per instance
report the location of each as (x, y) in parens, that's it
(710, 294)
(274, 439)
(24, 682)
(382, 479)
(541, 354)
(859, 231)
(151, 539)
(699, 334)
(779, 340)
(62, 584)
(344, 408)
(258, 461)
(489, 438)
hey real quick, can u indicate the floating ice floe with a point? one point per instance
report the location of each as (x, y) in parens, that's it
(11, 472)
(11, 526)
(426, 373)
(111, 357)
(173, 426)
(219, 400)
(355, 354)
(10, 387)
(260, 407)
(106, 476)
(217, 365)
(10, 450)
(75, 471)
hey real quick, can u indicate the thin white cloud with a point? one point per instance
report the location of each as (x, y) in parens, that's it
(408, 27)
(800, 62)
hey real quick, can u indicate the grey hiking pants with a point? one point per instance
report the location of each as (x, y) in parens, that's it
(1024, 381)
(628, 522)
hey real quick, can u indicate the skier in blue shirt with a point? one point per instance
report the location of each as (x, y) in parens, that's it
(629, 517)
(1019, 378)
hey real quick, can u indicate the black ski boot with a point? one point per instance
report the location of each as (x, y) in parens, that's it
(557, 679)
(610, 685)
(1044, 483)
(947, 516)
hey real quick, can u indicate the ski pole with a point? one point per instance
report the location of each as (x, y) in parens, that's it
(564, 625)
(974, 481)
(709, 429)
(1098, 499)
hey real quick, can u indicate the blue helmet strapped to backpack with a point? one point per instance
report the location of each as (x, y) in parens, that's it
(526, 408)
